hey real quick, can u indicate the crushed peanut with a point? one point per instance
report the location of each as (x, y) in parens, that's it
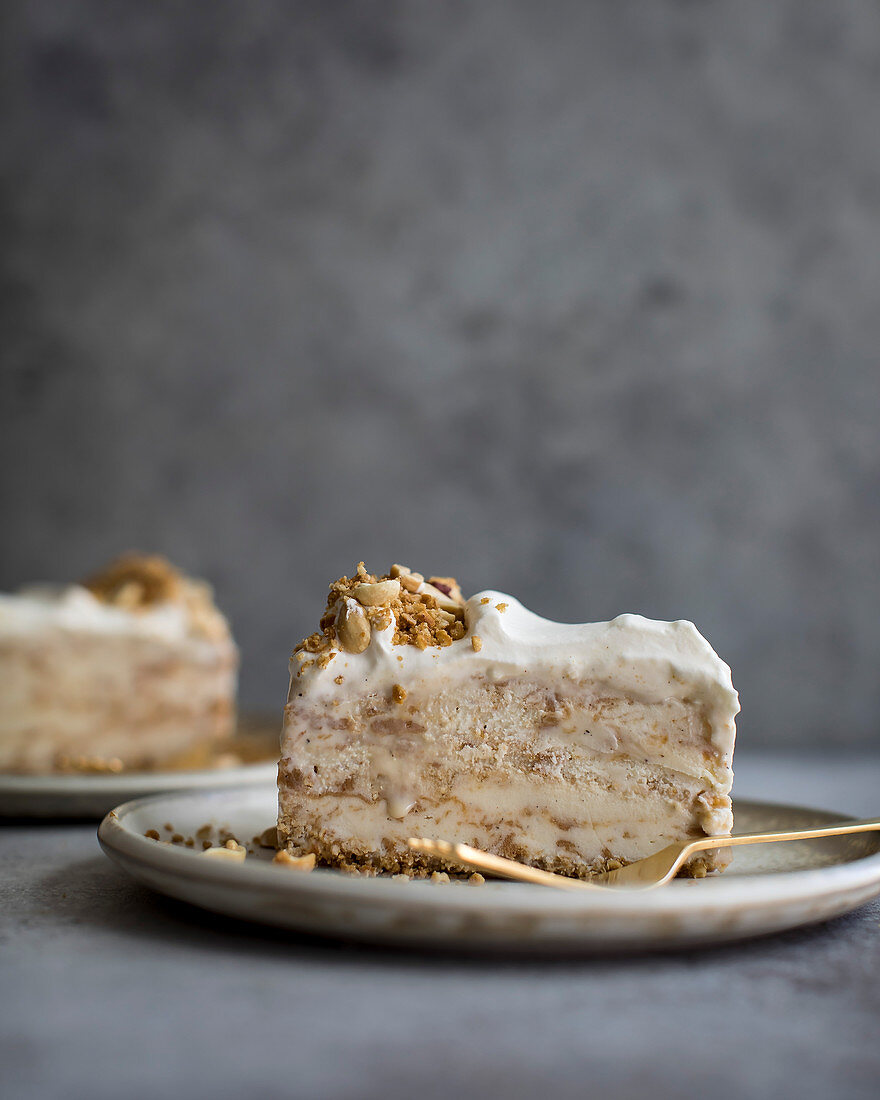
(476, 643)
(501, 607)
(424, 614)
(234, 853)
(476, 879)
(136, 582)
(439, 876)
(295, 863)
(378, 593)
(398, 693)
(448, 586)
(152, 834)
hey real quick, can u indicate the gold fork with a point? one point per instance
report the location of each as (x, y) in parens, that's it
(644, 874)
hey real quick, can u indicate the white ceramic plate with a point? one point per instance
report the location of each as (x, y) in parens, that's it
(92, 796)
(767, 888)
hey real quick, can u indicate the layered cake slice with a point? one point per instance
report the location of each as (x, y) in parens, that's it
(133, 668)
(574, 748)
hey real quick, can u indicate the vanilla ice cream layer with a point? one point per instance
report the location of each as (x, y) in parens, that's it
(38, 608)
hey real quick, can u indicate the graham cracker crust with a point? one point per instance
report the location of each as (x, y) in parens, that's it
(396, 859)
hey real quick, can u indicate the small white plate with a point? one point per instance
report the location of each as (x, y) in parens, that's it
(92, 796)
(768, 887)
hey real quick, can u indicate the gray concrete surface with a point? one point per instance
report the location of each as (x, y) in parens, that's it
(109, 992)
(574, 299)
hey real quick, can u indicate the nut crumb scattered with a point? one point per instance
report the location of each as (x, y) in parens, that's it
(152, 834)
(339, 680)
(295, 863)
(398, 693)
(234, 853)
(476, 879)
(501, 607)
(400, 878)
(177, 838)
(439, 876)
(204, 831)
(476, 643)
(485, 599)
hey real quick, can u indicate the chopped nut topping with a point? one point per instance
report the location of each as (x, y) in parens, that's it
(423, 614)
(398, 693)
(476, 643)
(379, 594)
(380, 617)
(502, 607)
(295, 863)
(135, 582)
(339, 680)
(352, 626)
(485, 599)
(445, 602)
(152, 834)
(448, 586)
(476, 879)
(439, 876)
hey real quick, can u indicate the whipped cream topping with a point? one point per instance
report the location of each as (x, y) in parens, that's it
(649, 660)
(37, 608)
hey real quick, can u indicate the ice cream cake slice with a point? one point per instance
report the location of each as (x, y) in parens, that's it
(135, 668)
(575, 748)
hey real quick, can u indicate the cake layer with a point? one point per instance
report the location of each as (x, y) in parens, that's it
(139, 700)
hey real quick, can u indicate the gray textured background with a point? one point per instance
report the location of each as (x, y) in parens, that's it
(577, 300)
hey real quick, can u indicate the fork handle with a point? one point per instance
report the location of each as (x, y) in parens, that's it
(869, 825)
